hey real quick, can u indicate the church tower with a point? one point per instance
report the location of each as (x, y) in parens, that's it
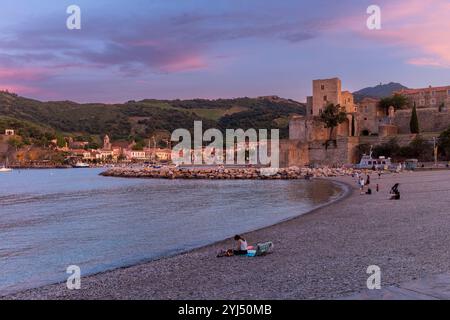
(106, 143)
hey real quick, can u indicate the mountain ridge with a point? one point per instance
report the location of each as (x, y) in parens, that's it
(140, 119)
(378, 91)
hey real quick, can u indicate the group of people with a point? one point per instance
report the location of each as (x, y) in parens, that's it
(365, 182)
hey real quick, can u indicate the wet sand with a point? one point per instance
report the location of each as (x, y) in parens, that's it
(321, 255)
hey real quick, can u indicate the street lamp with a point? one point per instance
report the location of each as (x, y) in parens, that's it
(435, 149)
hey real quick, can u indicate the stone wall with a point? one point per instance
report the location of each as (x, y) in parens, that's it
(293, 153)
(335, 155)
(402, 139)
(430, 120)
(386, 130)
(307, 129)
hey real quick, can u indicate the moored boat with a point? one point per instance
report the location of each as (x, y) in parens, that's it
(5, 169)
(81, 165)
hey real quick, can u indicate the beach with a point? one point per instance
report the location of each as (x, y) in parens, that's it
(321, 255)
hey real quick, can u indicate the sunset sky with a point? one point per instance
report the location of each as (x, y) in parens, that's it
(164, 49)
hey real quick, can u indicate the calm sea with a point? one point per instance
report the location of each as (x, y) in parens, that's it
(50, 219)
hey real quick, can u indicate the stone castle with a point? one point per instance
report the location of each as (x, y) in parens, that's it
(366, 123)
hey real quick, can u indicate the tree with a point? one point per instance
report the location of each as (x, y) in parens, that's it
(414, 123)
(15, 143)
(60, 140)
(362, 149)
(332, 116)
(444, 143)
(421, 149)
(139, 146)
(398, 101)
(353, 133)
(389, 149)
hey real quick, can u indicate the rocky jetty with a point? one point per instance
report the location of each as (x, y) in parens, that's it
(221, 173)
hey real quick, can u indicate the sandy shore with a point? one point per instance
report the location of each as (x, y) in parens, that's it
(320, 255)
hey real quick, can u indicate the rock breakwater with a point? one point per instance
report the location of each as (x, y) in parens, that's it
(221, 173)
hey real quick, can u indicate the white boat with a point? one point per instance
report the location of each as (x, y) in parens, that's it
(81, 165)
(368, 162)
(5, 169)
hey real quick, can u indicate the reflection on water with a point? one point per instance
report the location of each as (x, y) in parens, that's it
(51, 219)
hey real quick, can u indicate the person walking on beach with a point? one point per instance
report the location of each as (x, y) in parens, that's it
(368, 180)
(361, 185)
(241, 246)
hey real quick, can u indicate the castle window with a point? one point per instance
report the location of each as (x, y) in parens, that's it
(322, 87)
(433, 102)
(448, 92)
(325, 98)
(422, 102)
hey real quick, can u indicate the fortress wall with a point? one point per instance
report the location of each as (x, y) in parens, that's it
(293, 153)
(386, 130)
(342, 153)
(402, 139)
(307, 129)
(297, 128)
(430, 120)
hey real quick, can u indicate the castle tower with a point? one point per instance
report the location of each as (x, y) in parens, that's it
(325, 91)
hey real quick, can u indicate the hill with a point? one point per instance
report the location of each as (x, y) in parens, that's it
(379, 91)
(140, 119)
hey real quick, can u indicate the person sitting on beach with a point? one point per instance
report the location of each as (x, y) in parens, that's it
(395, 194)
(369, 191)
(242, 246)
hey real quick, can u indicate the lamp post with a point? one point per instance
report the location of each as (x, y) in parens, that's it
(435, 148)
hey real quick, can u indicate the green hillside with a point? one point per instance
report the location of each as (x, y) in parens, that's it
(140, 119)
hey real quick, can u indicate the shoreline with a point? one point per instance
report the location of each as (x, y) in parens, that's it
(345, 190)
(317, 256)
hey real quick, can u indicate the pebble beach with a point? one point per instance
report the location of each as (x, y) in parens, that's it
(321, 255)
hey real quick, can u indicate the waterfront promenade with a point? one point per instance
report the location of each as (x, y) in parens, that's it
(321, 255)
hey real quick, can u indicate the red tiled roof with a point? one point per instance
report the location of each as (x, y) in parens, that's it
(413, 91)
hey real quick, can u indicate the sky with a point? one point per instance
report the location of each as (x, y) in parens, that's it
(182, 49)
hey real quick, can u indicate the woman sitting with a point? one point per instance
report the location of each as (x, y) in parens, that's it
(241, 246)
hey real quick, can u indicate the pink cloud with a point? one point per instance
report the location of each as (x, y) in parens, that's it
(425, 62)
(23, 73)
(19, 89)
(423, 27)
(185, 63)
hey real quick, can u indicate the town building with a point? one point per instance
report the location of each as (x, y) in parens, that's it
(430, 97)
